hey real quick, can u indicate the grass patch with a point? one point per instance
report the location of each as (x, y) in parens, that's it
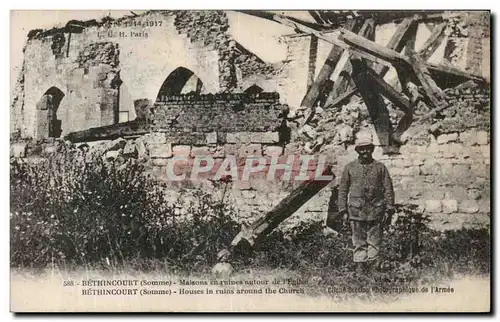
(78, 211)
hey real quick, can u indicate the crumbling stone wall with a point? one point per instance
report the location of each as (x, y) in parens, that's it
(221, 112)
(468, 37)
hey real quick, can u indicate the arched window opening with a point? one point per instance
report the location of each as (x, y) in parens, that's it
(254, 89)
(180, 81)
(48, 124)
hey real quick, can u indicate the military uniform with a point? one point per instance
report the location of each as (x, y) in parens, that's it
(366, 192)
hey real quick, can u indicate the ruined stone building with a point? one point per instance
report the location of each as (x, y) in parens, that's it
(178, 82)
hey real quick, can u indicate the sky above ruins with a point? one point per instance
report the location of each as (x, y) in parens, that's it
(249, 31)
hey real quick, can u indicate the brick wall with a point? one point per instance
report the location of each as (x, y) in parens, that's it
(221, 113)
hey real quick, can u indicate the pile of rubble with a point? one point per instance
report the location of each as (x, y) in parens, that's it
(468, 107)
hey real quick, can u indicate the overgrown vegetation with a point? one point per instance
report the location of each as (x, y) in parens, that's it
(77, 210)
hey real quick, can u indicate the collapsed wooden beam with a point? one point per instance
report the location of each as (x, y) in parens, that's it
(432, 43)
(380, 54)
(109, 132)
(342, 84)
(405, 30)
(254, 233)
(433, 92)
(363, 47)
(324, 74)
(339, 99)
(438, 69)
(373, 101)
(387, 90)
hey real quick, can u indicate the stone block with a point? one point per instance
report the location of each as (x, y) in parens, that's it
(141, 148)
(398, 163)
(485, 150)
(480, 170)
(433, 206)
(459, 149)
(155, 138)
(410, 171)
(200, 151)
(468, 206)
(429, 179)
(250, 150)
(432, 148)
(50, 149)
(238, 138)
(484, 206)
(217, 151)
(181, 150)
(449, 206)
(211, 138)
(469, 138)
(482, 137)
(270, 137)
(248, 194)
(429, 193)
(430, 169)
(116, 144)
(273, 150)
(417, 161)
(446, 138)
(230, 149)
(159, 162)
(112, 155)
(160, 150)
(18, 150)
(477, 221)
(443, 222)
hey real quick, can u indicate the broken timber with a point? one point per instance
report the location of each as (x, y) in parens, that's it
(343, 84)
(433, 42)
(327, 71)
(255, 232)
(373, 101)
(109, 132)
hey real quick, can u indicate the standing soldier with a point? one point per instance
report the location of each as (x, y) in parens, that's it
(366, 196)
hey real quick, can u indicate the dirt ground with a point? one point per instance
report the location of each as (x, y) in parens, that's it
(47, 292)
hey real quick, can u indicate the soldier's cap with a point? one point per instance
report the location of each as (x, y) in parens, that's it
(364, 143)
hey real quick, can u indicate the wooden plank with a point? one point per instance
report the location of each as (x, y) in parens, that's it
(411, 38)
(432, 91)
(451, 71)
(387, 90)
(256, 231)
(339, 99)
(367, 47)
(373, 101)
(405, 31)
(342, 85)
(432, 43)
(109, 132)
(324, 74)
